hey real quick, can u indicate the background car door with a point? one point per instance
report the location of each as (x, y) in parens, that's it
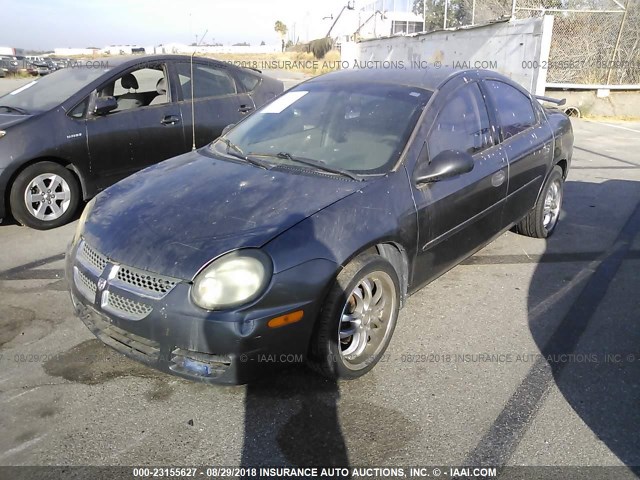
(217, 100)
(527, 143)
(458, 215)
(145, 128)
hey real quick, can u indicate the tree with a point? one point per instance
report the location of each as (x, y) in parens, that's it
(281, 28)
(262, 43)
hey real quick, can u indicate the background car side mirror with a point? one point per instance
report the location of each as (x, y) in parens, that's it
(447, 164)
(105, 105)
(227, 128)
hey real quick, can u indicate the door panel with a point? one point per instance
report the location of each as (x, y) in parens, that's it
(134, 137)
(217, 101)
(456, 216)
(528, 145)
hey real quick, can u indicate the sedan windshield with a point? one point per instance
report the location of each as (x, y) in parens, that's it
(352, 127)
(47, 92)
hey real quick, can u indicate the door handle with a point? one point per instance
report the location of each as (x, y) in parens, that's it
(245, 108)
(498, 178)
(170, 120)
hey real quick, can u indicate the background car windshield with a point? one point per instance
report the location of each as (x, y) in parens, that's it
(50, 91)
(362, 128)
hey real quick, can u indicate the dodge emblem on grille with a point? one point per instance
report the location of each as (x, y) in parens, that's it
(102, 283)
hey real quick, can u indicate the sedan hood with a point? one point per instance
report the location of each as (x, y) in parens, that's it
(176, 216)
(7, 120)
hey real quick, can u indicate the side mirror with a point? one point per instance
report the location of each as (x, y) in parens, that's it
(447, 164)
(105, 105)
(227, 128)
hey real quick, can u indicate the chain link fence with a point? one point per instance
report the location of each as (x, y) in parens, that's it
(593, 41)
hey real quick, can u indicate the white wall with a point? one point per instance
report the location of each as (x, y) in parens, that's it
(512, 48)
(188, 49)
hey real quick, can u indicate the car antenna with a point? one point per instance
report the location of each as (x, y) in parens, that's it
(193, 102)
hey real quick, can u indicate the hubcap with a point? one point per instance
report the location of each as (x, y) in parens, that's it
(552, 203)
(367, 320)
(47, 196)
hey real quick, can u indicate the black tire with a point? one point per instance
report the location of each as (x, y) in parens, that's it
(533, 225)
(22, 212)
(325, 353)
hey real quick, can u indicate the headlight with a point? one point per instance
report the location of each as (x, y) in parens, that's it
(83, 219)
(232, 280)
(2, 133)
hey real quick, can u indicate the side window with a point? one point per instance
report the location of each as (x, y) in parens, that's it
(248, 81)
(462, 124)
(514, 110)
(209, 81)
(139, 88)
(80, 109)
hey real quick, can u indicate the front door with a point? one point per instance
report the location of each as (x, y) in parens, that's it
(458, 215)
(146, 128)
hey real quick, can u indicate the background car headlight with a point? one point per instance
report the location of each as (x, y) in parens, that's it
(232, 280)
(83, 219)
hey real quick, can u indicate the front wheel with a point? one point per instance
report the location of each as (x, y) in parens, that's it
(44, 195)
(542, 220)
(357, 320)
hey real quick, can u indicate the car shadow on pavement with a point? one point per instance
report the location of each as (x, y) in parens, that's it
(583, 318)
(583, 306)
(291, 419)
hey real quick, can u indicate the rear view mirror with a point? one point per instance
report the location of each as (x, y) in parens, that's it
(447, 164)
(105, 105)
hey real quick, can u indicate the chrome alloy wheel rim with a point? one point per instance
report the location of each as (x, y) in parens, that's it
(47, 196)
(552, 203)
(367, 320)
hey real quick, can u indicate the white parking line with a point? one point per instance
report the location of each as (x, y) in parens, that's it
(615, 126)
(22, 446)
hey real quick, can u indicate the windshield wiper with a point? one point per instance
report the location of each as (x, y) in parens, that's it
(236, 151)
(15, 109)
(319, 164)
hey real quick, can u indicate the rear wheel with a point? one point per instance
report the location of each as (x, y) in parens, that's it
(543, 219)
(357, 320)
(44, 195)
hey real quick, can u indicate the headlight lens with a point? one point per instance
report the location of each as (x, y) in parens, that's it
(83, 219)
(2, 133)
(232, 280)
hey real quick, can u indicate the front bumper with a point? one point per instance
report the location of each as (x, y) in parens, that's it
(166, 331)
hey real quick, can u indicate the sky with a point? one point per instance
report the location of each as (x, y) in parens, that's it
(48, 24)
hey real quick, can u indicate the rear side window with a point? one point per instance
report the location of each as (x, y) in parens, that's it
(248, 81)
(514, 110)
(462, 124)
(209, 81)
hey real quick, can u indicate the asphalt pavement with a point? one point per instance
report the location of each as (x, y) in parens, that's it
(526, 354)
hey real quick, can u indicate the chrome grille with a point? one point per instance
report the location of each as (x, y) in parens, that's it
(96, 259)
(86, 286)
(126, 307)
(155, 284)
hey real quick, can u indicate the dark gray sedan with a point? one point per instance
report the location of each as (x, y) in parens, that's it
(301, 231)
(69, 135)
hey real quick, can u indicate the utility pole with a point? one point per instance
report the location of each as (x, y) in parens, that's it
(446, 7)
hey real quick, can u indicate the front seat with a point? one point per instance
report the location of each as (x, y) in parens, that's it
(161, 88)
(130, 99)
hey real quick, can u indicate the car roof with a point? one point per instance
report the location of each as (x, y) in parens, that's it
(428, 79)
(134, 59)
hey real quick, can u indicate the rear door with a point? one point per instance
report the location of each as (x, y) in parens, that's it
(456, 216)
(217, 100)
(527, 142)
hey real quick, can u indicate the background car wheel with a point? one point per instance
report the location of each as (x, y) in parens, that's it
(542, 220)
(44, 195)
(357, 319)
